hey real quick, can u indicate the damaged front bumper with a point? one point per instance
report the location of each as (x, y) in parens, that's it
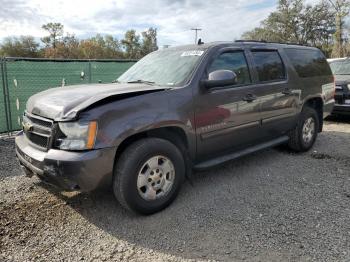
(83, 171)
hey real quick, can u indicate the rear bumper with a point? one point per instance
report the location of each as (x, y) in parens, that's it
(84, 171)
(341, 109)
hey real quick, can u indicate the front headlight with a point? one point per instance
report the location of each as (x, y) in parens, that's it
(78, 135)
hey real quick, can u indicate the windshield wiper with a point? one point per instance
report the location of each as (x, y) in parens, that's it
(140, 81)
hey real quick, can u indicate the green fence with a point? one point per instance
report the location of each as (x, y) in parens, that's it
(20, 78)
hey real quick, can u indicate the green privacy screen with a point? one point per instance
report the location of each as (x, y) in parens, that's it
(26, 77)
(3, 124)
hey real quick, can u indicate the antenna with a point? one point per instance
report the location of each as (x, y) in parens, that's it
(196, 33)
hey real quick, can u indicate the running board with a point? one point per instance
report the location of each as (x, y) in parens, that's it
(247, 151)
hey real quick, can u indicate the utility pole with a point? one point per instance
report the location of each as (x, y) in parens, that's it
(196, 34)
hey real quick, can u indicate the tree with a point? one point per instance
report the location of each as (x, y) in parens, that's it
(61, 45)
(100, 47)
(149, 41)
(342, 9)
(295, 22)
(68, 47)
(55, 31)
(24, 46)
(112, 47)
(131, 44)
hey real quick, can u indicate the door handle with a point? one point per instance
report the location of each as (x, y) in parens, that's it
(249, 98)
(287, 91)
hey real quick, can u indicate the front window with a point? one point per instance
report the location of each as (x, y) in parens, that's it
(340, 67)
(235, 62)
(165, 68)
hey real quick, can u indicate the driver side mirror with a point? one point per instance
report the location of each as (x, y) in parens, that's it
(220, 78)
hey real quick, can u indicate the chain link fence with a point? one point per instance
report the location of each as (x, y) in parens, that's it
(20, 78)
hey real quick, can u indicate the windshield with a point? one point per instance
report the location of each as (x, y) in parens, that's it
(166, 67)
(340, 67)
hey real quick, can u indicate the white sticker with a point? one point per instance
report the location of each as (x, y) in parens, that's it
(193, 53)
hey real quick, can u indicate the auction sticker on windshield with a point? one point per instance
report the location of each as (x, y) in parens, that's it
(193, 53)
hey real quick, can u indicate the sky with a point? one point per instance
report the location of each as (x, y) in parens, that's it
(220, 20)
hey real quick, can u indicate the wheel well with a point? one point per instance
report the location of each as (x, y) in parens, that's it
(317, 104)
(175, 135)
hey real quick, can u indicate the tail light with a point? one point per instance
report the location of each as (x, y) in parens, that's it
(334, 86)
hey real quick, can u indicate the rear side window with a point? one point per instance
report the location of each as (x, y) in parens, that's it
(308, 62)
(269, 66)
(234, 61)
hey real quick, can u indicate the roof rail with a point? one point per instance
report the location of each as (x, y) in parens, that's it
(255, 41)
(270, 42)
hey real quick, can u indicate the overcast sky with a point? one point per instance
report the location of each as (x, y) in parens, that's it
(219, 19)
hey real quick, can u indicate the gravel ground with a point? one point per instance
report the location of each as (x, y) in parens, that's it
(269, 206)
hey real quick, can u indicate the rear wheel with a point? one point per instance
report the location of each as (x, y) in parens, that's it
(148, 175)
(304, 135)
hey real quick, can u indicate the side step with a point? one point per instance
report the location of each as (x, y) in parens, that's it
(247, 151)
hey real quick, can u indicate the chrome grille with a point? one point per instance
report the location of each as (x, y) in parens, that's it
(38, 130)
(40, 122)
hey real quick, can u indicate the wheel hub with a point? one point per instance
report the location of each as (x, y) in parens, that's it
(155, 178)
(308, 130)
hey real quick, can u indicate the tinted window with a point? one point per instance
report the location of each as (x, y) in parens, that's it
(268, 65)
(308, 62)
(234, 61)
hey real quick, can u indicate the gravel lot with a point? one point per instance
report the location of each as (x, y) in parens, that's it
(269, 206)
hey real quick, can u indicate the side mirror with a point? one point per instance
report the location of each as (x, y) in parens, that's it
(220, 78)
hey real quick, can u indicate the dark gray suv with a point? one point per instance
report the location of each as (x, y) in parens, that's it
(178, 109)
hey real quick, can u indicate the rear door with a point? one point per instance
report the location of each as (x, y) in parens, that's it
(278, 101)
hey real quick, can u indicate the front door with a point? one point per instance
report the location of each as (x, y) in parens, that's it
(227, 117)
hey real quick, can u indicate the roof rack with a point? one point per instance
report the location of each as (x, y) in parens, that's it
(270, 42)
(254, 41)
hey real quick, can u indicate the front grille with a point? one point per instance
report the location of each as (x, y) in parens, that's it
(39, 140)
(38, 130)
(40, 122)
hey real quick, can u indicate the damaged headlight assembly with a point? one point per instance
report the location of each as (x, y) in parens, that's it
(78, 135)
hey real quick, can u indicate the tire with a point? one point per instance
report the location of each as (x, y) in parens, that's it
(136, 187)
(298, 141)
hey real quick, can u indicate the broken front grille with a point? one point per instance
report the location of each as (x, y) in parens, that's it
(38, 130)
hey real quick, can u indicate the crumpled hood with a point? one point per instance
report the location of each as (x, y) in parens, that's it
(63, 103)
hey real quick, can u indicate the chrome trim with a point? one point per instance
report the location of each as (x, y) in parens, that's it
(42, 131)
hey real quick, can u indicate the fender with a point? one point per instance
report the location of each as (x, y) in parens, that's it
(119, 120)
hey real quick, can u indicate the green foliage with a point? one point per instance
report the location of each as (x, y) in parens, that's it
(149, 43)
(342, 9)
(24, 46)
(132, 45)
(60, 45)
(55, 31)
(296, 22)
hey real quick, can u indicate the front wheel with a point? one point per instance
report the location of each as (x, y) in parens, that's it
(148, 175)
(304, 135)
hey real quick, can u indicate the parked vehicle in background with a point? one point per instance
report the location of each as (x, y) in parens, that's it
(341, 71)
(178, 109)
